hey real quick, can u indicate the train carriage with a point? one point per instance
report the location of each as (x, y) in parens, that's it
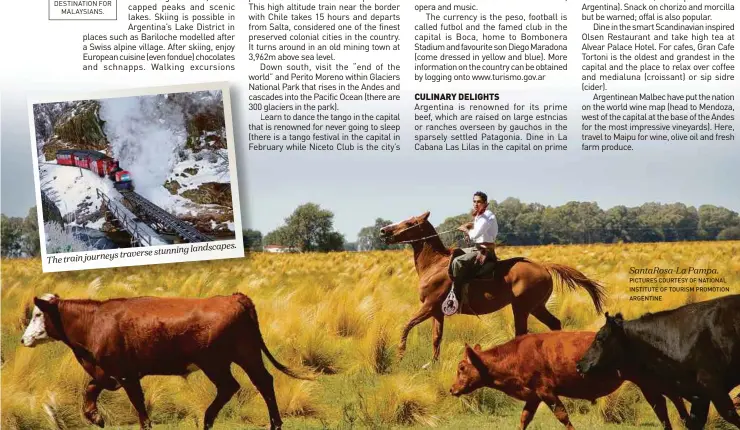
(82, 159)
(98, 163)
(65, 157)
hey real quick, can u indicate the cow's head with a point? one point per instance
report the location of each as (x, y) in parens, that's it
(42, 329)
(413, 228)
(607, 350)
(471, 372)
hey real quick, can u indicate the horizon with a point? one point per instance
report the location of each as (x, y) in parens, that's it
(23, 214)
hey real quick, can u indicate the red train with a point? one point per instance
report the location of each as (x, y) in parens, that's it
(98, 163)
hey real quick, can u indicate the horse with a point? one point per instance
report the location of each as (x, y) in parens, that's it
(519, 282)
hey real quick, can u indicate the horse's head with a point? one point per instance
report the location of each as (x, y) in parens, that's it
(42, 328)
(410, 229)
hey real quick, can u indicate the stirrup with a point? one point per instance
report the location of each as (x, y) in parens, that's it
(450, 305)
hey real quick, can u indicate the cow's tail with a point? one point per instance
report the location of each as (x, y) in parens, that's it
(248, 305)
(574, 278)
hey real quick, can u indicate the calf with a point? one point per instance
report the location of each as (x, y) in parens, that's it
(119, 341)
(692, 351)
(540, 367)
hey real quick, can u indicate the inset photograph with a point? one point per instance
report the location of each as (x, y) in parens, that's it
(136, 171)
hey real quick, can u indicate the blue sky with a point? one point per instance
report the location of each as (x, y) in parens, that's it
(360, 186)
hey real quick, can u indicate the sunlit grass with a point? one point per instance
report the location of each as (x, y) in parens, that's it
(340, 316)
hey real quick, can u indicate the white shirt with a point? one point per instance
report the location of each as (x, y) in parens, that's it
(485, 228)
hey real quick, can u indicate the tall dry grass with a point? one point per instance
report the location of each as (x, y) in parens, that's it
(339, 315)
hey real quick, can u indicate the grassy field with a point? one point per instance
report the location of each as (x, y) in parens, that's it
(340, 315)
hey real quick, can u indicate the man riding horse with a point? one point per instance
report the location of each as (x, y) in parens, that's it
(482, 232)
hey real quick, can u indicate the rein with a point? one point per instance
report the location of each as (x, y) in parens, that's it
(422, 238)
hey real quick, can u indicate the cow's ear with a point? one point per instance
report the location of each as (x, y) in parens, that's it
(477, 347)
(46, 305)
(618, 319)
(466, 353)
(475, 360)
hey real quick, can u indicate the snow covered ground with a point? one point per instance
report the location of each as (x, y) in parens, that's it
(75, 187)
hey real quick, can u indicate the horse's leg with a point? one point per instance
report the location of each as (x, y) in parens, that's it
(422, 315)
(547, 318)
(521, 313)
(439, 324)
(528, 297)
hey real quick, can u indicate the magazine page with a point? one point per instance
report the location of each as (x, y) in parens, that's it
(381, 214)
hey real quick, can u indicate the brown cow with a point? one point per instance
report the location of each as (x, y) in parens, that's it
(540, 367)
(119, 341)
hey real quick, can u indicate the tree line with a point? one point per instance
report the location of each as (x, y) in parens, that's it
(310, 228)
(19, 237)
(585, 222)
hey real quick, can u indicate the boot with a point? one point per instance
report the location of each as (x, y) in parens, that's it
(463, 296)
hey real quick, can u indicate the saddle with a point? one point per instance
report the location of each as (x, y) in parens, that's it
(485, 271)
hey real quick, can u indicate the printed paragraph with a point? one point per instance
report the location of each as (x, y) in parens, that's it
(460, 42)
(444, 122)
(635, 56)
(656, 42)
(319, 68)
(166, 37)
(612, 122)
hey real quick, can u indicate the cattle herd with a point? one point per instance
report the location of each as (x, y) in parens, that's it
(691, 353)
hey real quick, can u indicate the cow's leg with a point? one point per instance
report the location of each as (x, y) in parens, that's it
(656, 401)
(558, 408)
(530, 408)
(547, 318)
(90, 407)
(725, 407)
(226, 387)
(717, 393)
(422, 315)
(680, 407)
(261, 378)
(439, 325)
(699, 413)
(132, 386)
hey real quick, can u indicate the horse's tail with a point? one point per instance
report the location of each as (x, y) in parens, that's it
(574, 278)
(248, 305)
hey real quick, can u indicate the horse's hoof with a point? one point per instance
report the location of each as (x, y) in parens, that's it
(95, 418)
(427, 366)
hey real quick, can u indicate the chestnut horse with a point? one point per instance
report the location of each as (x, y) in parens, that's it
(519, 282)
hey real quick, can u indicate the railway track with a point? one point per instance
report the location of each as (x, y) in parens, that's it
(183, 229)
